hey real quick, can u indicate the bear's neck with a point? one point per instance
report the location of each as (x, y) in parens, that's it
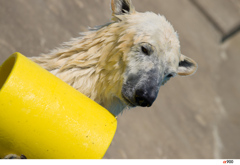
(93, 64)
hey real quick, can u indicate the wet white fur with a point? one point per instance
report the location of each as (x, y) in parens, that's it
(95, 63)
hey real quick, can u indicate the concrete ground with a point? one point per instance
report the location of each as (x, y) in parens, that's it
(193, 117)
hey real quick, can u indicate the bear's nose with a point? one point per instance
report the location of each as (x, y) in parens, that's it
(144, 98)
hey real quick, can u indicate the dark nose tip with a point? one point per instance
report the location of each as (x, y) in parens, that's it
(144, 99)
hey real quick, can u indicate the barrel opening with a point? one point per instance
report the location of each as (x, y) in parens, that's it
(6, 69)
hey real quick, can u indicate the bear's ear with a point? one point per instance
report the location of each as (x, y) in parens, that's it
(120, 7)
(187, 66)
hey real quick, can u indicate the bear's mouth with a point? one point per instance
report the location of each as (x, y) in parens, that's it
(128, 102)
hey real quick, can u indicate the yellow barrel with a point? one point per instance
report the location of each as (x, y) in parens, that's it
(42, 117)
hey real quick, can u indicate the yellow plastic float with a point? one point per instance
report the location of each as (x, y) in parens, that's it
(42, 117)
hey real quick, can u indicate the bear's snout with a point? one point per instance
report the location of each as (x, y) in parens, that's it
(145, 98)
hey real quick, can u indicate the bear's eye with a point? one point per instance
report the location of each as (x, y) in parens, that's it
(145, 50)
(169, 76)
